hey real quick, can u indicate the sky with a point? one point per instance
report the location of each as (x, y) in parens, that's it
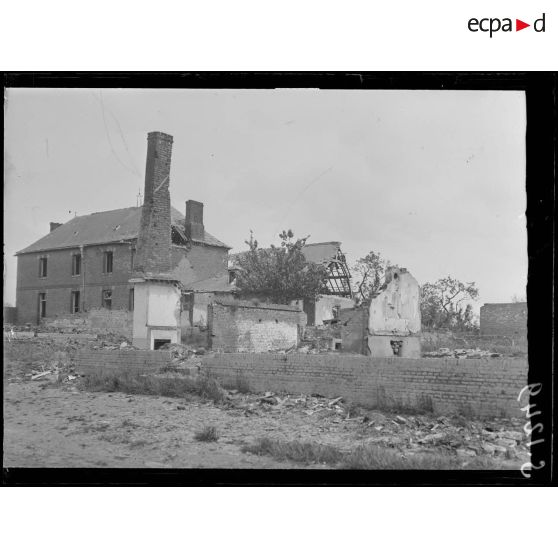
(433, 180)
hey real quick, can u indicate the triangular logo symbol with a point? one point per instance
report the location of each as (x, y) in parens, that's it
(519, 25)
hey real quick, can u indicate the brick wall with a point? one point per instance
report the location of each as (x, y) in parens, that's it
(97, 320)
(154, 239)
(472, 387)
(479, 388)
(143, 362)
(204, 261)
(245, 327)
(354, 330)
(59, 282)
(504, 319)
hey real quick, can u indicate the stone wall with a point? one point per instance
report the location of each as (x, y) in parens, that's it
(245, 327)
(509, 319)
(469, 387)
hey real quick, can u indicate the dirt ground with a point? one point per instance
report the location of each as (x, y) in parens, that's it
(58, 424)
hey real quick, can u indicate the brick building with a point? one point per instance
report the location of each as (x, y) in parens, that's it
(504, 319)
(88, 262)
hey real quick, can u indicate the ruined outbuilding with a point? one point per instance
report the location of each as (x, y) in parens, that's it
(394, 321)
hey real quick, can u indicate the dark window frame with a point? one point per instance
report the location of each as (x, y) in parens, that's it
(42, 305)
(108, 261)
(75, 302)
(43, 267)
(106, 301)
(76, 265)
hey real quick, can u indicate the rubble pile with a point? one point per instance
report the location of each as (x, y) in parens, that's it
(497, 438)
(444, 352)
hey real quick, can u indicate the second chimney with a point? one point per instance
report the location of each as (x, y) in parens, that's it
(194, 220)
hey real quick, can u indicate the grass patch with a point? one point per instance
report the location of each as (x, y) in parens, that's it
(302, 452)
(362, 457)
(207, 434)
(134, 383)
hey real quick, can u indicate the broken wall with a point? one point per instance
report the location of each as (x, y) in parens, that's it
(354, 330)
(394, 320)
(245, 327)
(325, 305)
(97, 320)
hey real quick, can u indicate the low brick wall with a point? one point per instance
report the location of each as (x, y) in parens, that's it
(144, 362)
(472, 387)
(96, 320)
(244, 327)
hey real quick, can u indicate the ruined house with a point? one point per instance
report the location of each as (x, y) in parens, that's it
(89, 261)
(337, 292)
(394, 321)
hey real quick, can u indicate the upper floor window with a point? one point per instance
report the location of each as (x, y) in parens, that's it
(107, 262)
(76, 264)
(132, 258)
(43, 267)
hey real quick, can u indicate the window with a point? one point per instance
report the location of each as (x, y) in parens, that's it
(75, 302)
(43, 267)
(76, 264)
(132, 258)
(42, 305)
(107, 299)
(107, 262)
(131, 299)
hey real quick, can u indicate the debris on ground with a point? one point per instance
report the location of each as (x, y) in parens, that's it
(444, 352)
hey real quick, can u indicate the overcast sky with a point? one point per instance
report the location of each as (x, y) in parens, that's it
(433, 180)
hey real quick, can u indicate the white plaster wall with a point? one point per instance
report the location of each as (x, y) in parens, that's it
(396, 310)
(163, 308)
(325, 305)
(139, 320)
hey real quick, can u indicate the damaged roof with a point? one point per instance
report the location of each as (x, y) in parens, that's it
(106, 227)
(321, 252)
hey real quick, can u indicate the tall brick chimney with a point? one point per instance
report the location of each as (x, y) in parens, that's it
(194, 220)
(153, 254)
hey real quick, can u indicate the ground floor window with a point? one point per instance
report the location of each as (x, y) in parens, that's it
(42, 305)
(107, 299)
(75, 302)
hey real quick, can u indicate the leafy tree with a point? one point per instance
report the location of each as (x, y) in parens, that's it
(444, 304)
(369, 275)
(279, 273)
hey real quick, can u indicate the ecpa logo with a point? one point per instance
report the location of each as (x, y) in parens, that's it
(494, 24)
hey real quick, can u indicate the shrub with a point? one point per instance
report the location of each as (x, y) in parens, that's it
(207, 434)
